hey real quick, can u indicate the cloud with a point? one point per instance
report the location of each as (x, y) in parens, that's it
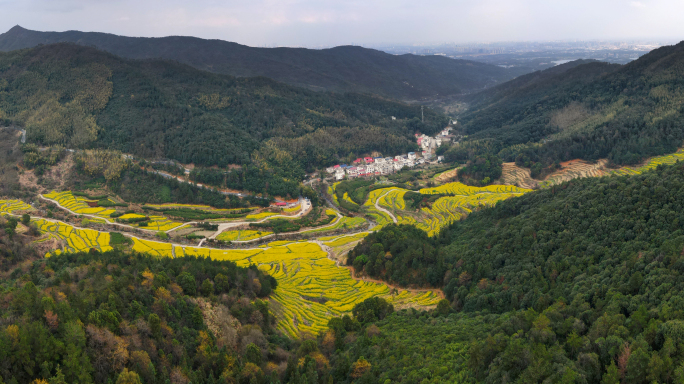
(335, 22)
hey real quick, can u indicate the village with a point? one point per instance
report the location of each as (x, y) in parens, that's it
(376, 166)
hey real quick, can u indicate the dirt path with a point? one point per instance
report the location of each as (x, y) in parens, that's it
(383, 209)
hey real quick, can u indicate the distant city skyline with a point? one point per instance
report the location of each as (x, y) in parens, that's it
(372, 23)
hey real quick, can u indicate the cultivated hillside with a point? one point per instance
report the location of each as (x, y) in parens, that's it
(345, 68)
(80, 97)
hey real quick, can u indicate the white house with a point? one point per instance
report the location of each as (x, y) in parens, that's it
(411, 155)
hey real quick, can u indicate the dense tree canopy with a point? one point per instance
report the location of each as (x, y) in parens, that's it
(589, 271)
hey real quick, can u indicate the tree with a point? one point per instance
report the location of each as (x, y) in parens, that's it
(360, 367)
(207, 287)
(253, 354)
(154, 323)
(188, 283)
(612, 376)
(637, 367)
(443, 307)
(128, 377)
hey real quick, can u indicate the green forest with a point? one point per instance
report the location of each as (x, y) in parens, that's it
(581, 110)
(81, 97)
(587, 274)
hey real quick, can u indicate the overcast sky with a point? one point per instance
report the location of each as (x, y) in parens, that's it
(362, 22)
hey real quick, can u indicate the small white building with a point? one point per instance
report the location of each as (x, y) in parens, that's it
(411, 155)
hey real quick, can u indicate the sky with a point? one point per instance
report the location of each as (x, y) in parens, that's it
(314, 23)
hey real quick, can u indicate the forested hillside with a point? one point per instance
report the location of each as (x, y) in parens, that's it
(80, 97)
(589, 274)
(342, 69)
(114, 317)
(588, 111)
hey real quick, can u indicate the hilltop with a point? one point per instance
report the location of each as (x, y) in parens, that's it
(341, 69)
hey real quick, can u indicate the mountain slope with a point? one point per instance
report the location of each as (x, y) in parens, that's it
(82, 97)
(587, 277)
(345, 68)
(591, 111)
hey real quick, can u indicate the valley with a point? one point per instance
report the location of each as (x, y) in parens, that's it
(180, 225)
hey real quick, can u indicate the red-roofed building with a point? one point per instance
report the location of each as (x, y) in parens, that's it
(368, 160)
(357, 161)
(281, 204)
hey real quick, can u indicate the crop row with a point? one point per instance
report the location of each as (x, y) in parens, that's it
(12, 206)
(78, 204)
(261, 215)
(448, 209)
(651, 164)
(466, 190)
(241, 235)
(74, 239)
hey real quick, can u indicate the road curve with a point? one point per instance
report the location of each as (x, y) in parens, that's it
(383, 209)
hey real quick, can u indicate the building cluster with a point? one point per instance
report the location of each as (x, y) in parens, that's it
(376, 166)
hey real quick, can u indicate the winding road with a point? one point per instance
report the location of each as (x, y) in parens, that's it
(383, 209)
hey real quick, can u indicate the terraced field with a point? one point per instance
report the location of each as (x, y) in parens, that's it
(153, 248)
(575, 169)
(160, 223)
(339, 241)
(344, 222)
(13, 207)
(445, 176)
(259, 216)
(466, 190)
(448, 209)
(242, 235)
(294, 209)
(311, 288)
(78, 204)
(73, 239)
(513, 175)
(444, 210)
(651, 164)
(382, 218)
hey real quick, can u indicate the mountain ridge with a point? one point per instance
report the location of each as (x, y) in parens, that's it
(339, 69)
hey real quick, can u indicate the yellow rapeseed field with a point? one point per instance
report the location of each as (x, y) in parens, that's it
(241, 235)
(78, 204)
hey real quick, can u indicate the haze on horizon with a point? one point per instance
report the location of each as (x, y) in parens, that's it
(370, 22)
